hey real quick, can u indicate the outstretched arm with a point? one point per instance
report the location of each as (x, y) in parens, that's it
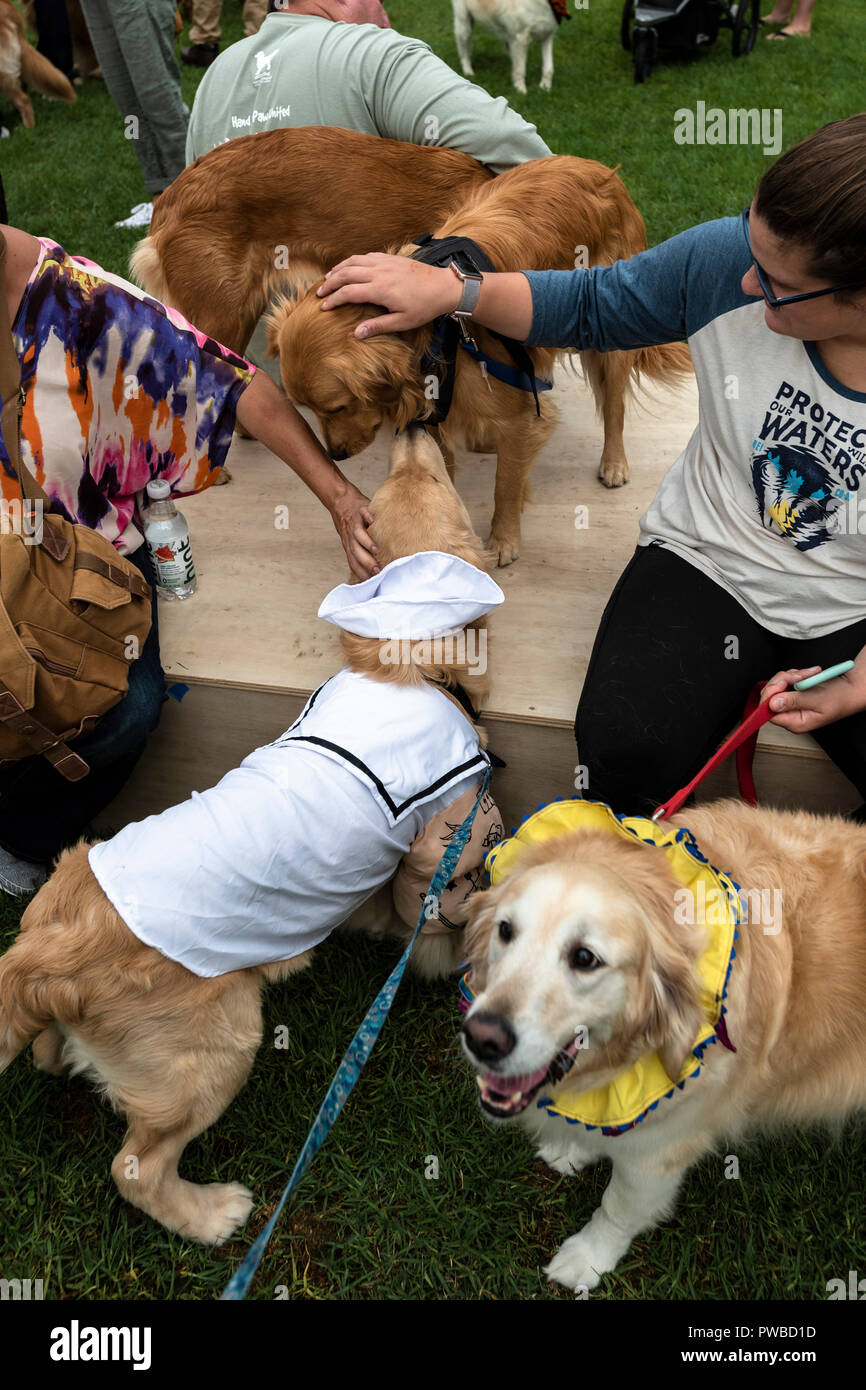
(658, 296)
(271, 418)
(415, 294)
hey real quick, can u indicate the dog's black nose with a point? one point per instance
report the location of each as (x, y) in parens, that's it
(339, 455)
(489, 1038)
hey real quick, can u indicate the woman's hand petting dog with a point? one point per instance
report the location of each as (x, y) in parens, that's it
(413, 293)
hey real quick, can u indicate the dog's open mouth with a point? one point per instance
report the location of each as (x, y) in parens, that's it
(505, 1096)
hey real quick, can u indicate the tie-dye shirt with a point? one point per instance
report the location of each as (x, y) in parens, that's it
(119, 389)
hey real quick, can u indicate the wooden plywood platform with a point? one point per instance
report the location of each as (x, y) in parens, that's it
(250, 647)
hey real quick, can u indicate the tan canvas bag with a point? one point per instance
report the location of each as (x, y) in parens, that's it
(73, 612)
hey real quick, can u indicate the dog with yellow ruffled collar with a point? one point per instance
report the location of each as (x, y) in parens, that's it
(626, 1000)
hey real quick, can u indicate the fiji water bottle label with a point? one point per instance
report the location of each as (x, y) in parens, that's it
(173, 561)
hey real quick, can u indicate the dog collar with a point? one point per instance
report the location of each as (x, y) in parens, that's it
(630, 1096)
(560, 10)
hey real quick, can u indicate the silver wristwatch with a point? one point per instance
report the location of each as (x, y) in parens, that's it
(471, 290)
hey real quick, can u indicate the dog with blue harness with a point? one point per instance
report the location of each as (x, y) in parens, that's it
(491, 396)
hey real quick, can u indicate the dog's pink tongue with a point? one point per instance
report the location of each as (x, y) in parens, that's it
(507, 1085)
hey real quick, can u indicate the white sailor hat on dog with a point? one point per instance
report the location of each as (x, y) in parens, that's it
(430, 594)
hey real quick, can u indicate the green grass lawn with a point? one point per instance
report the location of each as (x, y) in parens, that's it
(367, 1223)
(75, 174)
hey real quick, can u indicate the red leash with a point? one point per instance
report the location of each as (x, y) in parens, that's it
(742, 741)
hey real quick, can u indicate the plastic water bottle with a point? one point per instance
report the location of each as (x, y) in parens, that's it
(167, 537)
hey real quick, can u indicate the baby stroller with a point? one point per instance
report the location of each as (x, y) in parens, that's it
(685, 26)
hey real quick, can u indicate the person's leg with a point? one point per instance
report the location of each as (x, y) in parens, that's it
(205, 26)
(801, 24)
(674, 660)
(802, 21)
(148, 42)
(134, 42)
(121, 88)
(254, 13)
(40, 811)
(780, 13)
(55, 40)
(204, 33)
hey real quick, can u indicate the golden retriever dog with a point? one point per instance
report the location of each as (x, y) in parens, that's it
(264, 209)
(583, 931)
(532, 217)
(167, 1047)
(518, 23)
(21, 64)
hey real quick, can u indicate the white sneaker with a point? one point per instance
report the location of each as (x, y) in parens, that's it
(139, 217)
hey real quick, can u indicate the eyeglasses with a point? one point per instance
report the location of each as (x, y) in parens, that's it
(764, 283)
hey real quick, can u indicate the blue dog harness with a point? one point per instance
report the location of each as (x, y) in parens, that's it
(440, 359)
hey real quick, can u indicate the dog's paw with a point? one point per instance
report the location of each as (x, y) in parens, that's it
(581, 1260)
(560, 1162)
(228, 1206)
(546, 83)
(468, 70)
(613, 472)
(505, 548)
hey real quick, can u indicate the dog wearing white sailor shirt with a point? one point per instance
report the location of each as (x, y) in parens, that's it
(141, 960)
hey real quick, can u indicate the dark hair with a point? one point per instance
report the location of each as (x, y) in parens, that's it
(815, 196)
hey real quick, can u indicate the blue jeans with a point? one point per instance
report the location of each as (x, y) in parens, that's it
(40, 811)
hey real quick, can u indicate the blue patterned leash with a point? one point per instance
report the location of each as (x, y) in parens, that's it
(355, 1056)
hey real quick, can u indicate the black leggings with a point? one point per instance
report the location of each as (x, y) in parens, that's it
(674, 660)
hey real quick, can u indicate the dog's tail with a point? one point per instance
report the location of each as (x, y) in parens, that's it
(43, 76)
(145, 267)
(666, 363)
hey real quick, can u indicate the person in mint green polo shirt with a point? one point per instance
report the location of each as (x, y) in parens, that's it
(339, 63)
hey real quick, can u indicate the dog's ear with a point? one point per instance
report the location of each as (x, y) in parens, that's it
(410, 404)
(287, 290)
(672, 1008)
(390, 395)
(396, 382)
(297, 278)
(284, 305)
(479, 912)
